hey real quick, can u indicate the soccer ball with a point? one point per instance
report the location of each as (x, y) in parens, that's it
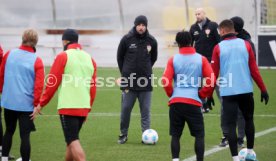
(150, 136)
(243, 153)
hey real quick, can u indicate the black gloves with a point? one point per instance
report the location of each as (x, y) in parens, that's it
(207, 106)
(210, 102)
(265, 97)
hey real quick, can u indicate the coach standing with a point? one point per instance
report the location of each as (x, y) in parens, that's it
(233, 59)
(241, 32)
(74, 73)
(21, 85)
(136, 55)
(204, 38)
(204, 34)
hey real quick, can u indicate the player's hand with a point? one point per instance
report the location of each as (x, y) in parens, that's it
(118, 81)
(264, 97)
(210, 102)
(37, 110)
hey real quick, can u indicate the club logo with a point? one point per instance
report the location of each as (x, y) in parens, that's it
(148, 48)
(207, 32)
(132, 46)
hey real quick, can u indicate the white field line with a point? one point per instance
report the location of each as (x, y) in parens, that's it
(218, 115)
(217, 148)
(138, 114)
(193, 158)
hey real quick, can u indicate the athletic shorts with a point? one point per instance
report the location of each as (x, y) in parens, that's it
(181, 113)
(71, 126)
(26, 125)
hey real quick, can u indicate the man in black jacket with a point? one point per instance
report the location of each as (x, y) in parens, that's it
(204, 34)
(136, 55)
(204, 37)
(241, 32)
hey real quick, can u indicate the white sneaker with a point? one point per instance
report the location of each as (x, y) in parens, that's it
(19, 159)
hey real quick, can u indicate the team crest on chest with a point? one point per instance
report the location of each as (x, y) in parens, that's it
(207, 32)
(148, 48)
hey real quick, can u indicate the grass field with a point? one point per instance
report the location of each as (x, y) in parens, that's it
(100, 133)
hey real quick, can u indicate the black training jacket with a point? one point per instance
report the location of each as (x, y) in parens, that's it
(205, 40)
(136, 55)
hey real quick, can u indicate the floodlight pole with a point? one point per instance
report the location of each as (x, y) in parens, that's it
(54, 20)
(187, 15)
(121, 15)
(54, 13)
(257, 23)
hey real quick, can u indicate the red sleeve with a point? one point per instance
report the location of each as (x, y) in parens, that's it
(1, 54)
(167, 78)
(2, 70)
(54, 78)
(254, 71)
(215, 63)
(210, 79)
(39, 80)
(93, 84)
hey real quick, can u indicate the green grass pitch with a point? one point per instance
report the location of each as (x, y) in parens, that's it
(100, 133)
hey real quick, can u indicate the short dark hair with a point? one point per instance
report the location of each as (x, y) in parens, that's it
(238, 23)
(228, 25)
(183, 39)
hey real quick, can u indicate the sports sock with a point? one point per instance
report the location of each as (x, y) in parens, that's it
(250, 151)
(236, 158)
(5, 159)
(199, 148)
(175, 147)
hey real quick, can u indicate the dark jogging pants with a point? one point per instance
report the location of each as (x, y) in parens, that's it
(231, 104)
(26, 126)
(128, 100)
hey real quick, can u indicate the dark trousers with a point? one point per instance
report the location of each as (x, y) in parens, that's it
(128, 101)
(26, 125)
(231, 105)
(240, 120)
(181, 113)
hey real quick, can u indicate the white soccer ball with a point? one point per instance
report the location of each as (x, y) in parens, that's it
(150, 136)
(243, 153)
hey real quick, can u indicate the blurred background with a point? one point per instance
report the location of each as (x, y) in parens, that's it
(102, 23)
